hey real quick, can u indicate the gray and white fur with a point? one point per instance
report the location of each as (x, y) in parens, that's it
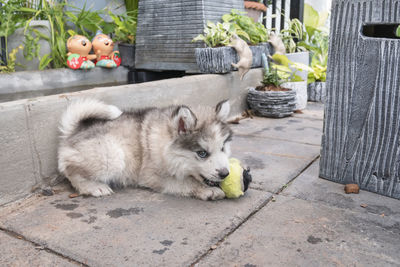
(173, 150)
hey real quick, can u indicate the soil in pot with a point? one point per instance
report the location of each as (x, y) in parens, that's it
(271, 87)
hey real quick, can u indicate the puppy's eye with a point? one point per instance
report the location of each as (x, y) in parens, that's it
(202, 154)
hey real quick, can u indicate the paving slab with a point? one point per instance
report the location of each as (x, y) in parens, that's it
(133, 227)
(269, 160)
(293, 129)
(309, 186)
(296, 232)
(16, 252)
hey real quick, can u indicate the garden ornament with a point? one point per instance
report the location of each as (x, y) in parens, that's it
(245, 55)
(78, 53)
(277, 43)
(103, 47)
(238, 180)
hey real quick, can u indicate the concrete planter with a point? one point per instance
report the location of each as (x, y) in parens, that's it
(30, 84)
(127, 52)
(316, 91)
(303, 58)
(219, 59)
(272, 104)
(301, 93)
(166, 28)
(18, 38)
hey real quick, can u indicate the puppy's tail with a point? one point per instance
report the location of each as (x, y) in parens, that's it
(86, 109)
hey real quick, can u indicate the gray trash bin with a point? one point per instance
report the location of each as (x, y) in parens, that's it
(361, 139)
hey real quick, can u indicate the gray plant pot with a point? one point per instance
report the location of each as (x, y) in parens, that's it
(272, 104)
(303, 58)
(18, 38)
(316, 91)
(301, 93)
(219, 59)
(127, 52)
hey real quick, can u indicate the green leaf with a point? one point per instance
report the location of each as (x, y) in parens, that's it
(398, 31)
(45, 61)
(311, 17)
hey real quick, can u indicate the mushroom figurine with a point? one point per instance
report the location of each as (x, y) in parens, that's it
(78, 53)
(103, 48)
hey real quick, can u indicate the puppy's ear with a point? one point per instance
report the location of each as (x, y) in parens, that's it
(222, 110)
(184, 120)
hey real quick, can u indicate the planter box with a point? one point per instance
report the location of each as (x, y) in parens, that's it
(18, 38)
(316, 91)
(361, 137)
(127, 52)
(30, 84)
(301, 93)
(166, 28)
(272, 104)
(303, 58)
(219, 59)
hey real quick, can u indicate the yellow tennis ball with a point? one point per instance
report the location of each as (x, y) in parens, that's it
(232, 185)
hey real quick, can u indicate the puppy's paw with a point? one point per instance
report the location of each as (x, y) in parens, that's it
(210, 193)
(95, 189)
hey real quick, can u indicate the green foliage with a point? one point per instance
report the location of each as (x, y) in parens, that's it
(125, 27)
(10, 21)
(11, 61)
(131, 5)
(287, 69)
(272, 78)
(256, 31)
(398, 31)
(219, 34)
(295, 32)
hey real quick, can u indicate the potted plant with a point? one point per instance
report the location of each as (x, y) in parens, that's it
(272, 99)
(217, 57)
(255, 9)
(295, 33)
(124, 35)
(317, 75)
(214, 58)
(289, 72)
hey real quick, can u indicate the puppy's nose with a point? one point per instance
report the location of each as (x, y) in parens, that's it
(222, 173)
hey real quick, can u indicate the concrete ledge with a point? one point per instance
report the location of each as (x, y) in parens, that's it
(26, 84)
(29, 135)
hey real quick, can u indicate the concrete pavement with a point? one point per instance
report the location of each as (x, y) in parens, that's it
(289, 216)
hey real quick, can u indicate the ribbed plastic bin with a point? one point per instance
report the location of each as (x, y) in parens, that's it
(361, 138)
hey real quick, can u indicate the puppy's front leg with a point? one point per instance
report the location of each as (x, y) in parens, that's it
(209, 193)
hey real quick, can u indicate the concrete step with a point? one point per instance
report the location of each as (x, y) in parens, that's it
(29, 127)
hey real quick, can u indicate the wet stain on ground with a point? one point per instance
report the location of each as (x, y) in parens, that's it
(92, 211)
(294, 121)
(160, 252)
(313, 240)
(116, 213)
(254, 163)
(250, 265)
(66, 206)
(376, 209)
(74, 215)
(91, 219)
(167, 242)
(311, 128)
(279, 128)
(96, 227)
(184, 241)
(75, 201)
